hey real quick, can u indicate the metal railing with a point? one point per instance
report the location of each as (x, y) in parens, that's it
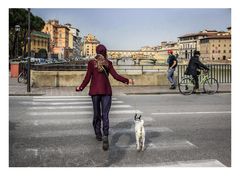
(59, 67)
(221, 72)
(77, 67)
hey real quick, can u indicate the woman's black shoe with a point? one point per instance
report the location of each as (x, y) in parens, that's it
(99, 138)
(105, 143)
(172, 87)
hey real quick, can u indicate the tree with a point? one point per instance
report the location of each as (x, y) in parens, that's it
(20, 17)
(42, 53)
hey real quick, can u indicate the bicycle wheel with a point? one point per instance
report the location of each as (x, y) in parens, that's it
(20, 78)
(186, 86)
(210, 86)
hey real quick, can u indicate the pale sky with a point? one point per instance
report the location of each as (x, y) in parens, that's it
(135, 28)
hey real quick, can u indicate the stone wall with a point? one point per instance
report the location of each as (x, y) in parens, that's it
(74, 78)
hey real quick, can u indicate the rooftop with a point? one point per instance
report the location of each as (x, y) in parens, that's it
(40, 34)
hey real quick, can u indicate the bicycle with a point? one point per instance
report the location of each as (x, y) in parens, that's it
(22, 77)
(187, 84)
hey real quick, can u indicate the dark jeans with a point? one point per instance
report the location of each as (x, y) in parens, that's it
(195, 77)
(101, 108)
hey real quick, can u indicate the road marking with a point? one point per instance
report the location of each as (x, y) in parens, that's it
(163, 145)
(80, 113)
(90, 132)
(32, 150)
(63, 99)
(87, 120)
(35, 122)
(195, 163)
(62, 103)
(147, 129)
(190, 113)
(188, 163)
(60, 99)
(54, 97)
(159, 146)
(73, 107)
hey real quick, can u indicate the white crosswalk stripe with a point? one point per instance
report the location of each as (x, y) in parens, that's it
(72, 107)
(63, 103)
(56, 97)
(78, 121)
(89, 131)
(189, 163)
(190, 113)
(63, 99)
(80, 113)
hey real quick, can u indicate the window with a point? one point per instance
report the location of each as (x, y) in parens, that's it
(213, 58)
(213, 45)
(224, 51)
(229, 51)
(219, 58)
(219, 51)
(219, 45)
(212, 51)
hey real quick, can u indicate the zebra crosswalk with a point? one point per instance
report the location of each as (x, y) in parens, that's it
(61, 129)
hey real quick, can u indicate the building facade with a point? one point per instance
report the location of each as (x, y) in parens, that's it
(90, 43)
(59, 38)
(216, 48)
(190, 42)
(213, 45)
(74, 41)
(39, 41)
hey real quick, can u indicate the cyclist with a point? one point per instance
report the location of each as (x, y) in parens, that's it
(193, 66)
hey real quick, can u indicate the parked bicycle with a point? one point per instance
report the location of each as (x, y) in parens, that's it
(22, 77)
(187, 84)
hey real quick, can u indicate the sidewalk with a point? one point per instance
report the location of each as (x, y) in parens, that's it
(19, 89)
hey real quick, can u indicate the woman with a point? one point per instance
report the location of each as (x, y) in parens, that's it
(101, 91)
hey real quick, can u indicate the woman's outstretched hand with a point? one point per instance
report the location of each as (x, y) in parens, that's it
(131, 81)
(77, 88)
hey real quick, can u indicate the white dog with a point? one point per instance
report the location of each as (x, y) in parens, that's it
(139, 133)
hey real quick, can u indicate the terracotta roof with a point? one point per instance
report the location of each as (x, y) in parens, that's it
(199, 34)
(40, 34)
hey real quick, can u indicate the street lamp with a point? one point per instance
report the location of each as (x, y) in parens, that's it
(29, 54)
(17, 29)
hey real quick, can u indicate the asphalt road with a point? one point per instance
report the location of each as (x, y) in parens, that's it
(180, 131)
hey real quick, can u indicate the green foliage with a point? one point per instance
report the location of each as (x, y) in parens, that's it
(20, 17)
(42, 53)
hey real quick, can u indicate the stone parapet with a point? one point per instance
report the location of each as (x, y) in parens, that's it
(74, 78)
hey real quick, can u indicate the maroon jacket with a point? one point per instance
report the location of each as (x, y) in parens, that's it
(100, 84)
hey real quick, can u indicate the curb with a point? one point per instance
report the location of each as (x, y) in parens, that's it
(159, 93)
